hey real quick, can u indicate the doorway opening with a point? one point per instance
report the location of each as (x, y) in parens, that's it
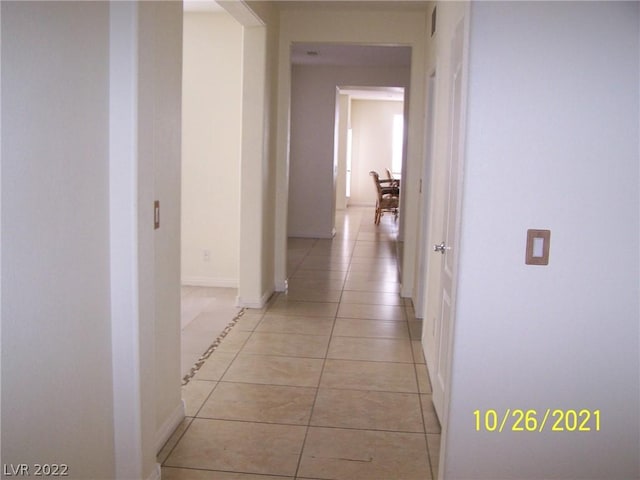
(369, 137)
(324, 168)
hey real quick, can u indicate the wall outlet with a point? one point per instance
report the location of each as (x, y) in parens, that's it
(206, 255)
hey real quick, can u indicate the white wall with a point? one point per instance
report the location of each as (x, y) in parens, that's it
(90, 138)
(211, 146)
(372, 124)
(57, 403)
(313, 106)
(260, 21)
(264, 198)
(552, 143)
(343, 125)
(159, 127)
(255, 257)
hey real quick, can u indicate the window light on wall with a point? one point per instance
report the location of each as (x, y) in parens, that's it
(348, 179)
(398, 134)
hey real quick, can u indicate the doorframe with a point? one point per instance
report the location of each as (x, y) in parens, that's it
(424, 215)
(379, 93)
(304, 27)
(458, 17)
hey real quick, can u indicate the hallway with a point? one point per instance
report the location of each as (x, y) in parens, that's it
(327, 382)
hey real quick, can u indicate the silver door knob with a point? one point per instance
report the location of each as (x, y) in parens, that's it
(440, 248)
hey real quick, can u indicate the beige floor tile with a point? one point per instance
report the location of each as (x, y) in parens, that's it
(371, 298)
(431, 423)
(337, 250)
(324, 263)
(197, 343)
(318, 283)
(248, 322)
(385, 261)
(411, 314)
(297, 243)
(374, 249)
(325, 274)
(424, 383)
(310, 309)
(433, 444)
(371, 312)
(375, 272)
(287, 344)
(350, 327)
(374, 233)
(418, 353)
(379, 376)
(253, 312)
(239, 447)
(368, 410)
(187, 361)
(215, 366)
(259, 403)
(194, 395)
(255, 395)
(415, 329)
(172, 473)
(332, 453)
(338, 253)
(325, 245)
(275, 323)
(211, 323)
(195, 300)
(372, 349)
(372, 286)
(273, 370)
(234, 340)
(381, 261)
(308, 294)
(173, 440)
(387, 275)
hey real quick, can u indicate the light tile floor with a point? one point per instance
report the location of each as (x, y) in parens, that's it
(327, 382)
(205, 312)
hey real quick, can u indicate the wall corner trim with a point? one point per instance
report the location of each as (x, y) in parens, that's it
(156, 474)
(253, 303)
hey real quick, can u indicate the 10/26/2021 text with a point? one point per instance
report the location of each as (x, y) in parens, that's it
(530, 420)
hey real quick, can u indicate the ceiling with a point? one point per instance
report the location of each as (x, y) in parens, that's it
(359, 56)
(354, 4)
(335, 54)
(201, 6)
(374, 93)
(350, 55)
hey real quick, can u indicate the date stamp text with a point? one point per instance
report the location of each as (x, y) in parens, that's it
(554, 420)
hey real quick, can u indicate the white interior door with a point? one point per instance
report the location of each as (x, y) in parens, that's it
(448, 247)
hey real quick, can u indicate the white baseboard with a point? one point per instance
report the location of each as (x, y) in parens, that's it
(255, 303)
(282, 286)
(210, 282)
(169, 426)
(156, 474)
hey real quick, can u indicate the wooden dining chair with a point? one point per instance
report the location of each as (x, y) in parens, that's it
(387, 199)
